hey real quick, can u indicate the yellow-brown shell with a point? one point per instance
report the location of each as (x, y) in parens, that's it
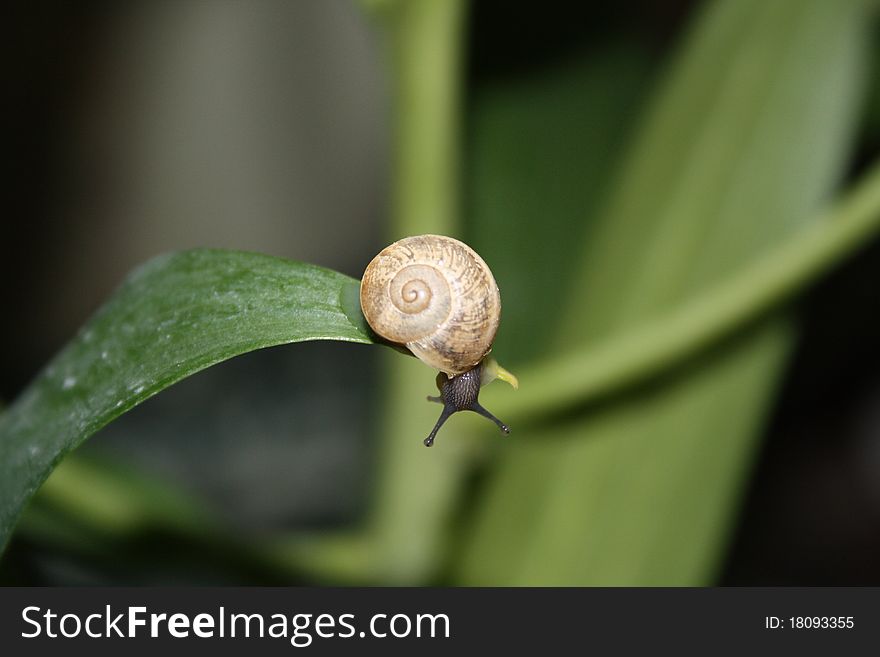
(435, 295)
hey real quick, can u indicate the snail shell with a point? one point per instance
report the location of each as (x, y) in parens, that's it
(435, 295)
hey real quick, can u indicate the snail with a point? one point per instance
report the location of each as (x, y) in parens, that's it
(437, 297)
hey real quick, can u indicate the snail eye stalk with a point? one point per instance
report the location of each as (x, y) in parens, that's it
(460, 393)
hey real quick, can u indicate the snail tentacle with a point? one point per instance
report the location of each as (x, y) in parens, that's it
(477, 408)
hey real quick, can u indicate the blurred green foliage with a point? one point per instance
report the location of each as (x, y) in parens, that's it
(606, 197)
(747, 137)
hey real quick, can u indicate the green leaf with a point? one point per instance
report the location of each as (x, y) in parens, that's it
(176, 315)
(747, 139)
(541, 153)
(665, 340)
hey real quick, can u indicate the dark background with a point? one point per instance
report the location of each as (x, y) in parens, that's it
(74, 222)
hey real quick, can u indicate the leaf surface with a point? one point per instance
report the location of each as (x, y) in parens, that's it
(174, 316)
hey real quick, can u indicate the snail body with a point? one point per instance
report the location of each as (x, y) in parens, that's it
(437, 297)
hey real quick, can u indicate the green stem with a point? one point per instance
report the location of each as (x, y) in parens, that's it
(426, 54)
(407, 528)
(592, 372)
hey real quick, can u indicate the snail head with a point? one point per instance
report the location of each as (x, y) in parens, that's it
(461, 393)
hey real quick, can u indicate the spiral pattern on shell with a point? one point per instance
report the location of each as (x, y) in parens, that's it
(435, 295)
